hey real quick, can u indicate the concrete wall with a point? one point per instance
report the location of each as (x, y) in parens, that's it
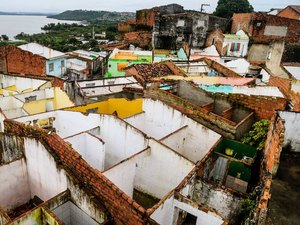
(45, 179)
(162, 171)
(21, 83)
(123, 174)
(225, 203)
(193, 141)
(129, 139)
(167, 213)
(121, 139)
(17, 61)
(14, 187)
(90, 147)
(58, 69)
(158, 120)
(155, 173)
(292, 130)
(70, 214)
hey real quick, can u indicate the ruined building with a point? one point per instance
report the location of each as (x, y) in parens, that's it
(171, 26)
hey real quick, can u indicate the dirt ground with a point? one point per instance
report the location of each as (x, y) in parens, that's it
(284, 208)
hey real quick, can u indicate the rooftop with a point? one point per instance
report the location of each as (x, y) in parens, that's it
(41, 50)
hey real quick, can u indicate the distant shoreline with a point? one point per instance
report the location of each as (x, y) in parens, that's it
(25, 14)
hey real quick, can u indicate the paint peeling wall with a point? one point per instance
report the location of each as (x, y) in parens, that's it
(167, 213)
(45, 179)
(14, 186)
(226, 203)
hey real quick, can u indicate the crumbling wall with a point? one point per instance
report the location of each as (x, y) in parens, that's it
(285, 85)
(17, 61)
(11, 148)
(273, 145)
(120, 208)
(290, 13)
(227, 203)
(140, 39)
(292, 130)
(264, 28)
(263, 106)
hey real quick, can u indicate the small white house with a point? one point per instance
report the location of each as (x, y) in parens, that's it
(235, 44)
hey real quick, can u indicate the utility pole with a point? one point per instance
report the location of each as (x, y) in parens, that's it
(202, 7)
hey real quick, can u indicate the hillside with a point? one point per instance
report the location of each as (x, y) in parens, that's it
(81, 15)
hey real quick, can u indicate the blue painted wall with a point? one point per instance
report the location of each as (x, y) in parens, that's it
(58, 70)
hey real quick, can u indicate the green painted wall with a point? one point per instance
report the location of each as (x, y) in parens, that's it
(113, 65)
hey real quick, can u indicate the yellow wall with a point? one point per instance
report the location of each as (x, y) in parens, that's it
(60, 100)
(122, 106)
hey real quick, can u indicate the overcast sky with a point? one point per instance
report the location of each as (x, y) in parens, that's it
(124, 5)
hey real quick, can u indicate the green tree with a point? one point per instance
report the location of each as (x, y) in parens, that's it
(4, 37)
(258, 135)
(226, 8)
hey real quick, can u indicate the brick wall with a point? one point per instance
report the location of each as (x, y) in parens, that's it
(146, 17)
(273, 145)
(202, 115)
(22, 62)
(215, 38)
(248, 22)
(290, 13)
(223, 70)
(126, 26)
(141, 39)
(285, 86)
(120, 207)
(263, 106)
(241, 21)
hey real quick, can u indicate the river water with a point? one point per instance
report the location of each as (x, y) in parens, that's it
(13, 25)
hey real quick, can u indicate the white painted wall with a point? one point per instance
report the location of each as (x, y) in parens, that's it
(2, 118)
(22, 83)
(193, 142)
(45, 179)
(104, 90)
(91, 148)
(167, 213)
(156, 172)
(14, 185)
(224, 202)
(159, 119)
(40, 94)
(121, 140)
(124, 173)
(67, 123)
(292, 129)
(162, 171)
(109, 81)
(70, 214)
(12, 107)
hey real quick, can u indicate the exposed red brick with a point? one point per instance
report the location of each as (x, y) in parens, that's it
(274, 144)
(291, 12)
(223, 70)
(120, 208)
(285, 87)
(248, 22)
(141, 39)
(18, 61)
